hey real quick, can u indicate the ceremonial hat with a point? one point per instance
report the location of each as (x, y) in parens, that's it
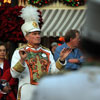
(30, 16)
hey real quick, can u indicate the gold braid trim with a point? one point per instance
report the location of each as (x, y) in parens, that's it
(59, 65)
(19, 94)
(45, 48)
(19, 67)
(21, 47)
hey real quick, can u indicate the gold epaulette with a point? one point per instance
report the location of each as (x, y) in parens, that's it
(45, 48)
(21, 47)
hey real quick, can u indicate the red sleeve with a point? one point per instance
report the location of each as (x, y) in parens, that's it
(7, 76)
(6, 65)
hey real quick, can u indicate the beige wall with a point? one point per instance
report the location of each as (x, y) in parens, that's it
(61, 6)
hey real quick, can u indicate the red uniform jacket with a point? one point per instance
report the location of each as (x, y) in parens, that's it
(12, 82)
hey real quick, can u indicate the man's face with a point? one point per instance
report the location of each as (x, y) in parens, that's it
(53, 48)
(33, 38)
(75, 41)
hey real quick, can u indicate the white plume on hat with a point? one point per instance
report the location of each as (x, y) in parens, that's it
(30, 13)
(91, 28)
(31, 18)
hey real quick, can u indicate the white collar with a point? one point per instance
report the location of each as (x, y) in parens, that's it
(1, 65)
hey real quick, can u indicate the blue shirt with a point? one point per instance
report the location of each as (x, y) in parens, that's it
(76, 53)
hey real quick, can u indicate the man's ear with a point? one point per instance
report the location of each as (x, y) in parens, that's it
(70, 39)
(26, 37)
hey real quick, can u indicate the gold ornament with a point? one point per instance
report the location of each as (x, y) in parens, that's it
(35, 24)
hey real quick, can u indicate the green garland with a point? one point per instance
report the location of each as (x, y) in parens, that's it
(74, 3)
(40, 3)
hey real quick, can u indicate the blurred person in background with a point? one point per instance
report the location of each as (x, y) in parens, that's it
(6, 81)
(53, 47)
(4, 64)
(75, 57)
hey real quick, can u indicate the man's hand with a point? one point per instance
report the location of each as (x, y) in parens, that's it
(73, 61)
(6, 89)
(64, 53)
(23, 55)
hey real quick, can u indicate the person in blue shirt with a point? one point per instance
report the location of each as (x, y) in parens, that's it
(75, 58)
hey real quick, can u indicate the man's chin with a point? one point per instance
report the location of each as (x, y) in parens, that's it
(36, 43)
(75, 47)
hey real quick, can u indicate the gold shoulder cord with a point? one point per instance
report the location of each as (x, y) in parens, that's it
(45, 48)
(21, 47)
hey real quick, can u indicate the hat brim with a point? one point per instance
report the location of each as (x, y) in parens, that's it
(34, 30)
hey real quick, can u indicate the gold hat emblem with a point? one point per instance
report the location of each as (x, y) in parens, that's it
(35, 24)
